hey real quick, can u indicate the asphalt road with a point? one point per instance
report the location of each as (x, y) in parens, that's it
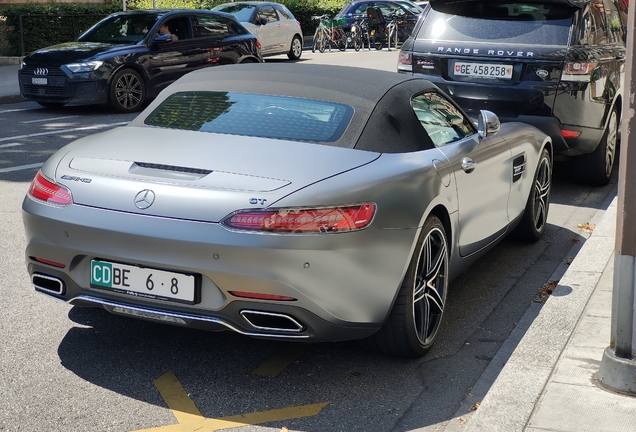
(64, 368)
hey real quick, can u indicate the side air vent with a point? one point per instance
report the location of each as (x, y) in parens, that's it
(518, 167)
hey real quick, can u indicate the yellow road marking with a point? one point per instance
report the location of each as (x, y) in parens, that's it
(279, 361)
(177, 399)
(191, 420)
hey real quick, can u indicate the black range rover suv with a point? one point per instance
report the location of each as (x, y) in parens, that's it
(555, 64)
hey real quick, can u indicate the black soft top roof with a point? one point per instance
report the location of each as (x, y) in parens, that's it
(572, 3)
(383, 119)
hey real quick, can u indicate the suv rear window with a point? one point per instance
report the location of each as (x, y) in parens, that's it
(253, 115)
(519, 23)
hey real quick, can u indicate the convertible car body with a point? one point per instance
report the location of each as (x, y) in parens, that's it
(309, 203)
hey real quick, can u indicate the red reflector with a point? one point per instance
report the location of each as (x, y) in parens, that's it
(45, 190)
(258, 44)
(303, 220)
(48, 262)
(570, 133)
(259, 296)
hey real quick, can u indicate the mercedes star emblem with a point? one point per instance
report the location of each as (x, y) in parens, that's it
(144, 199)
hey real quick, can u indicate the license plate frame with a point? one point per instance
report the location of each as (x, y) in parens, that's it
(39, 81)
(145, 282)
(500, 71)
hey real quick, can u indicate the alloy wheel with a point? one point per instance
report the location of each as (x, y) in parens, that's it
(129, 91)
(542, 187)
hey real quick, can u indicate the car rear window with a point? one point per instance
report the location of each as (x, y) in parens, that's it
(519, 23)
(253, 115)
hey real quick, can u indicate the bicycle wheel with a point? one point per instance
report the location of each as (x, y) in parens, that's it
(393, 36)
(314, 42)
(340, 38)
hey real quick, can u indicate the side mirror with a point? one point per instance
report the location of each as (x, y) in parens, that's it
(488, 123)
(263, 21)
(162, 38)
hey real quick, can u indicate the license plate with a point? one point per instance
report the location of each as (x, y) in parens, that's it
(39, 81)
(483, 70)
(143, 282)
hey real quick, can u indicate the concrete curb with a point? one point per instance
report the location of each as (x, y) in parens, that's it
(7, 61)
(515, 379)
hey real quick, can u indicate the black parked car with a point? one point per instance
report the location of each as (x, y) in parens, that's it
(129, 57)
(410, 12)
(556, 64)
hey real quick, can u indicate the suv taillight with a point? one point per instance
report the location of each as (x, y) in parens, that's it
(405, 61)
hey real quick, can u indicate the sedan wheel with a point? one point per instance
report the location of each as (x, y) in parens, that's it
(296, 49)
(416, 316)
(535, 216)
(127, 91)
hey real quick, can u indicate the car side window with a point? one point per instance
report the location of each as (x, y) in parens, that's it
(179, 27)
(269, 13)
(361, 9)
(440, 119)
(209, 26)
(284, 12)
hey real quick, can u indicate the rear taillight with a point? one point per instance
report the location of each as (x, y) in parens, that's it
(302, 220)
(580, 68)
(45, 190)
(258, 43)
(405, 61)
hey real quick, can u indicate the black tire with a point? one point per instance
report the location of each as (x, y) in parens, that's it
(127, 91)
(596, 168)
(377, 41)
(535, 215)
(414, 321)
(341, 39)
(296, 48)
(357, 42)
(51, 104)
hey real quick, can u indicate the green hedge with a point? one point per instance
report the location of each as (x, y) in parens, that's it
(49, 24)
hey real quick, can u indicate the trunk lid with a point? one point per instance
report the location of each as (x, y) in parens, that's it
(194, 175)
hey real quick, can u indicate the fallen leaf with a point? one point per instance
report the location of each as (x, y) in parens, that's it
(575, 239)
(587, 227)
(470, 395)
(474, 406)
(284, 429)
(462, 421)
(545, 291)
(569, 261)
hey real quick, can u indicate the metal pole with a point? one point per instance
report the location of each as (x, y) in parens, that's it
(21, 36)
(618, 367)
(123, 5)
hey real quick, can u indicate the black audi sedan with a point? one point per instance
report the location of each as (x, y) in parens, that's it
(129, 57)
(408, 11)
(556, 64)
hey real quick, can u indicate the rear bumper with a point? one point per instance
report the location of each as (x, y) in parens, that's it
(345, 284)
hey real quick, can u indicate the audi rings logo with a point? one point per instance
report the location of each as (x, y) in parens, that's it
(41, 71)
(144, 199)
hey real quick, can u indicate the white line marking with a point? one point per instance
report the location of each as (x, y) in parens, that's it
(10, 145)
(17, 110)
(61, 131)
(45, 120)
(21, 167)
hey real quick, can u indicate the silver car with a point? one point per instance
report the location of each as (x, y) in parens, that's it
(274, 25)
(302, 202)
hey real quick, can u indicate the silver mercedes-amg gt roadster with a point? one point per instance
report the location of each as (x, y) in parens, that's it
(297, 202)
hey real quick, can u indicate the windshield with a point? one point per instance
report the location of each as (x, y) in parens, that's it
(516, 23)
(121, 29)
(242, 12)
(252, 115)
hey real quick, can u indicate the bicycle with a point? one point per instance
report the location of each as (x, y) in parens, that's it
(392, 31)
(358, 34)
(329, 32)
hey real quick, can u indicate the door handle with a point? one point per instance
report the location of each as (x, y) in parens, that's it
(468, 165)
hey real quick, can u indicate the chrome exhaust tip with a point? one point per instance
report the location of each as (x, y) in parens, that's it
(48, 284)
(271, 321)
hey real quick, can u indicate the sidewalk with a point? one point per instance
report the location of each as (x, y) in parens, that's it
(9, 87)
(544, 378)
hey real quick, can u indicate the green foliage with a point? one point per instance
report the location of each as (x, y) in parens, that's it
(48, 24)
